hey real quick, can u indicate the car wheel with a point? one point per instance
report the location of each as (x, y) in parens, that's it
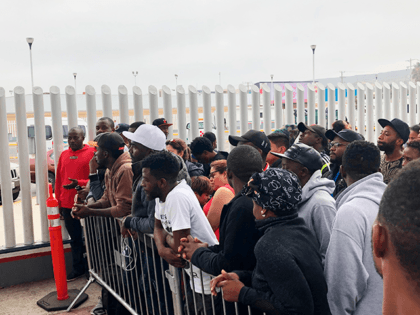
(15, 195)
(51, 180)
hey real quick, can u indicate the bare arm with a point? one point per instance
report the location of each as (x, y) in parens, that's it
(222, 196)
(174, 241)
(171, 256)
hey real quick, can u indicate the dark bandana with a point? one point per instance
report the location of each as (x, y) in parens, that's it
(276, 190)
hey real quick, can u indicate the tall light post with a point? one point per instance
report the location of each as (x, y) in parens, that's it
(135, 73)
(313, 63)
(176, 81)
(74, 75)
(272, 89)
(30, 40)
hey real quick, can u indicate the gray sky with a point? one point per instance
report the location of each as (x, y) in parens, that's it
(104, 41)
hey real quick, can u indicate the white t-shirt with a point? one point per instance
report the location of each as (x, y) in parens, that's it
(181, 211)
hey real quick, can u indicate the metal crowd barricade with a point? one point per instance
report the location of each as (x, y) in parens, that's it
(151, 286)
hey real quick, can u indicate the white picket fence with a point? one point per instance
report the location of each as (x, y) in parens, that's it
(244, 111)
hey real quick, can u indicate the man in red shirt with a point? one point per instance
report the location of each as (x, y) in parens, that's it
(72, 171)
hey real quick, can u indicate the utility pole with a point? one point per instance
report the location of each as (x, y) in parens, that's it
(342, 76)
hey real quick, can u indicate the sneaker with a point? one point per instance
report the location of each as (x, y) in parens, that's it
(74, 275)
(99, 308)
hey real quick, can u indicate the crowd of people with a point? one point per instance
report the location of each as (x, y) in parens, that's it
(316, 223)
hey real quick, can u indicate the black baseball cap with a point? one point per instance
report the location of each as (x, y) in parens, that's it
(258, 138)
(121, 127)
(399, 126)
(161, 122)
(303, 154)
(319, 130)
(111, 141)
(345, 134)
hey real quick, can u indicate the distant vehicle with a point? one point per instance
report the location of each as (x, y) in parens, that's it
(200, 129)
(51, 168)
(14, 170)
(48, 130)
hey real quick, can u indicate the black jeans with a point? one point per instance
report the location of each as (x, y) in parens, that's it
(74, 228)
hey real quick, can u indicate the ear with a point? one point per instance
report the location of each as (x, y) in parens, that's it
(379, 240)
(282, 149)
(399, 142)
(162, 183)
(229, 174)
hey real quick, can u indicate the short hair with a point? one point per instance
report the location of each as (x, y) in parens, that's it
(201, 144)
(210, 135)
(415, 144)
(179, 145)
(201, 184)
(242, 167)
(77, 129)
(338, 125)
(399, 210)
(279, 139)
(219, 165)
(109, 120)
(415, 128)
(162, 164)
(136, 124)
(361, 159)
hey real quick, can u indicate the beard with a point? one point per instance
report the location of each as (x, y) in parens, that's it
(388, 148)
(153, 194)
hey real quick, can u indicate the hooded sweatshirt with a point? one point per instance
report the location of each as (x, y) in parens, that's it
(318, 209)
(118, 182)
(354, 287)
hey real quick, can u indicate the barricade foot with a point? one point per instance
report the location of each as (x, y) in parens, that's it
(81, 295)
(50, 302)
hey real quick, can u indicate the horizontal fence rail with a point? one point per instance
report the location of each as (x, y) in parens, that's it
(223, 111)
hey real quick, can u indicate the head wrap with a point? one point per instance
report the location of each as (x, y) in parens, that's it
(276, 190)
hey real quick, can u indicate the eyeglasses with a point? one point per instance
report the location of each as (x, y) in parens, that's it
(337, 144)
(212, 174)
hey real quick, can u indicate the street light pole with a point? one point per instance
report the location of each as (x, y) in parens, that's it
(272, 89)
(30, 40)
(176, 81)
(313, 63)
(74, 75)
(135, 73)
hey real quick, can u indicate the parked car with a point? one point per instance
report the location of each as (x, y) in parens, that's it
(51, 167)
(14, 170)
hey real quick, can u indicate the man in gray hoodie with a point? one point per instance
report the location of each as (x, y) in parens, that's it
(317, 206)
(354, 287)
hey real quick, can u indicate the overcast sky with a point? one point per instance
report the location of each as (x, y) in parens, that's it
(104, 41)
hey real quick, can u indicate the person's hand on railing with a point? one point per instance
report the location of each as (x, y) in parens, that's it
(80, 211)
(171, 257)
(189, 245)
(230, 284)
(82, 194)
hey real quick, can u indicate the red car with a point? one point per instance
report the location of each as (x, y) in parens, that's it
(51, 168)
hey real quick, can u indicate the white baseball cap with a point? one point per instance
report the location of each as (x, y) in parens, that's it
(148, 135)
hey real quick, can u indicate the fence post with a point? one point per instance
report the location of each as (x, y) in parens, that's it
(208, 121)
(243, 108)
(378, 108)
(351, 105)
(331, 105)
(91, 112)
(181, 111)
(289, 105)
(300, 100)
(266, 108)
(25, 179)
(106, 101)
(193, 98)
(418, 102)
(123, 104)
(220, 115)
(369, 112)
(256, 121)
(311, 104)
(41, 161)
(153, 104)
(361, 109)
(71, 111)
(278, 103)
(6, 188)
(395, 101)
(138, 104)
(321, 105)
(167, 108)
(412, 91)
(232, 110)
(387, 101)
(403, 102)
(341, 101)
